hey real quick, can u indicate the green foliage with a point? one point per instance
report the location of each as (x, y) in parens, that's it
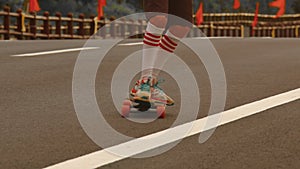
(296, 6)
(14, 4)
(118, 10)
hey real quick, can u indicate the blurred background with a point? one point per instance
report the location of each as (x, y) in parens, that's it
(80, 19)
(120, 8)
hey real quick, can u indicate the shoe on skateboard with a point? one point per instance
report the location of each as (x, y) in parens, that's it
(145, 95)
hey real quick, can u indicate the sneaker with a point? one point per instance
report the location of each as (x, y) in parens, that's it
(159, 95)
(147, 89)
(140, 86)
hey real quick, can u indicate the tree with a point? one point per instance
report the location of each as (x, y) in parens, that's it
(13, 4)
(296, 6)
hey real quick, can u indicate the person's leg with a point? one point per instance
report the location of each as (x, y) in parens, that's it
(156, 57)
(152, 37)
(180, 22)
(168, 44)
(155, 28)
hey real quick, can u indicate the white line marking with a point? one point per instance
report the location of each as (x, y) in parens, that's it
(90, 48)
(131, 44)
(143, 144)
(205, 38)
(54, 52)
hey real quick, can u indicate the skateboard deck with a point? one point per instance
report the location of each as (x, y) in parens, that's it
(142, 105)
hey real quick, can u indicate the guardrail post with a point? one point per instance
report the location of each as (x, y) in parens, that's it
(46, 29)
(132, 29)
(258, 32)
(252, 31)
(32, 24)
(103, 30)
(264, 31)
(20, 24)
(228, 32)
(208, 30)
(269, 31)
(7, 22)
(292, 32)
(221, 31)
(283, 31)
(278, 32)
(93, 25)
(70, 25)
(81, 31)
(242, 32)
(140, 29)
(288, 32)
(58, 25)
(211, 30)
(273, 32)
(112, 29)
(122, 28)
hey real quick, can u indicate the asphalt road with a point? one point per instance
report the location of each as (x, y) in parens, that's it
(39, 126)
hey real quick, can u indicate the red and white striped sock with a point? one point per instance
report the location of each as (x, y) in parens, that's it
(169, 42)
(167, 45)
(151, 41)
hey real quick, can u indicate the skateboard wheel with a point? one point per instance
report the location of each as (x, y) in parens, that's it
(161, 112)
(127, 102)
(125, 110)
(143, 106)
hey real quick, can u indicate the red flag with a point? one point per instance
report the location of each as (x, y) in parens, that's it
(34, 6)
(278, 4)
(199, 14)
(236, 4)
(101, 3)
(254, 23)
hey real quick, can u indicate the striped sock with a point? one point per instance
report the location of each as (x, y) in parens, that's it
(167, 45)
(151, 41)
(169, 42)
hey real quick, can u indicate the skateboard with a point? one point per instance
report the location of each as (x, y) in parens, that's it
(142, 105)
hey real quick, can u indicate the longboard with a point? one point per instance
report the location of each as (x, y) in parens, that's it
(142, 105)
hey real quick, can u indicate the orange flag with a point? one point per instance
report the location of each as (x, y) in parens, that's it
(236, 4)
(101, 3)
(199, 14)
(34, 6)
(254, 23)
(255, 20)
(278, 4)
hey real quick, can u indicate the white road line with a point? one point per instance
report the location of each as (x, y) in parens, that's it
(54, 52)
(143, 144)
(141, 43)
(131, 44)
(89, 48)
(205, 38)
